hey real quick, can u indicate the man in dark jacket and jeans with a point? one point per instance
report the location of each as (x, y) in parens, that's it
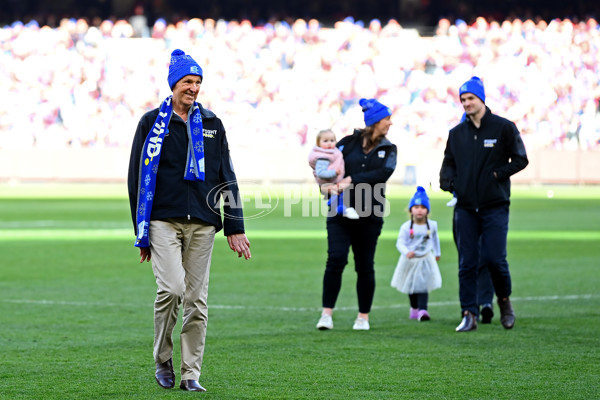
(178, 171)
(481, 154)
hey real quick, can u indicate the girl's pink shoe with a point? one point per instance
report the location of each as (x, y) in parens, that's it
(414, 313)
(423, 315)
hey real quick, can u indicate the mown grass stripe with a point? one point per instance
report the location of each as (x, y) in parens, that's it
(46, 302)
(112, 234)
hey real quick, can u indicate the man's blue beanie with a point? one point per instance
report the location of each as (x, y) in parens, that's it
(475, 86)
(420, 198)
(374, 111)
(182, 65)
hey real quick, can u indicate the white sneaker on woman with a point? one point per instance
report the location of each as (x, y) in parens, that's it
(325, 322)
(361, 324)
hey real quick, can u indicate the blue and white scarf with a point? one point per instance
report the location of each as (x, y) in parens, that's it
(151, 156)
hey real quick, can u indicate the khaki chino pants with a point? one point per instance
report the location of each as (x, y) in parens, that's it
(181, 254)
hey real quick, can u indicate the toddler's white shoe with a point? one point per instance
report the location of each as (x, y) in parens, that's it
(361, 324)
(325, 322)
(351, 213)
(452, 202)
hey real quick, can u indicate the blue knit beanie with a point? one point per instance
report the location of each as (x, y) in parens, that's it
(475, 86)
(420, 198)
(374, 111)
(182, 65)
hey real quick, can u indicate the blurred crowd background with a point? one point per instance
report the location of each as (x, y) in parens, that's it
(76, 76)
(420, 14)
(275, 85)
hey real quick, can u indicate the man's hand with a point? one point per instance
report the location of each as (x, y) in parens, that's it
(240, 244)
(145, 254)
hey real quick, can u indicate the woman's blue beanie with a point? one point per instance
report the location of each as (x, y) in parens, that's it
(420, 198)
(475, 86)
(374, 111)
(182, 65)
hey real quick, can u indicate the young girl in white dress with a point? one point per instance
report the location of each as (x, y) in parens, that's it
(417, 272)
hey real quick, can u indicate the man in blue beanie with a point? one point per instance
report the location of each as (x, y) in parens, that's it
(178, 170)
(482, 153)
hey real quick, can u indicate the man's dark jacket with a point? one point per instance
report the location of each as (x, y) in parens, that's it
(472, 156)
(178, 198)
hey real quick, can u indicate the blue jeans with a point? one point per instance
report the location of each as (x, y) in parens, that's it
(485, 287)
(481, 241)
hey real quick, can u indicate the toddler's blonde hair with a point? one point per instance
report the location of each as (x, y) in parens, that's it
(323, 132)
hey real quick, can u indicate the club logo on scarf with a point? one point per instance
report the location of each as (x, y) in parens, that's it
(151, 158)
(155, 142)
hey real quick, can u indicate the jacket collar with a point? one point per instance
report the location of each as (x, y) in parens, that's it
(485, 117)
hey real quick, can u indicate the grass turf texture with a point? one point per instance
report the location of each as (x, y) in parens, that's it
(76, 318)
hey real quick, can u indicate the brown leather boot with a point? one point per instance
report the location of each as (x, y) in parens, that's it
(507, 314)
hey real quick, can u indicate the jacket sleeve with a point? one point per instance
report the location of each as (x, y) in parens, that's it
(448, 170)
(134, 168)
(403, 240)
(322, 169)
(233, 216)
(378, 175)
(515, 149)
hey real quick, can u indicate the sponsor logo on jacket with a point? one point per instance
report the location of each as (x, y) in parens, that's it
(489, 143)
(209, 133)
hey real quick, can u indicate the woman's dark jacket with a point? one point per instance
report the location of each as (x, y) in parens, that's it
(369, 173)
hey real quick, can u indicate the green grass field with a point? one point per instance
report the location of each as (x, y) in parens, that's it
(76, 320)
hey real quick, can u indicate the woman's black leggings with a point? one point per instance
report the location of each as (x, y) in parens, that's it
(362, 235)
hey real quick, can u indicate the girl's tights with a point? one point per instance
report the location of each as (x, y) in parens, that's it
(419, 300)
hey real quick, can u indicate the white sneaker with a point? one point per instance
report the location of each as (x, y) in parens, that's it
(325, 322)
(361, 324)
(452, 202)
(351, 213)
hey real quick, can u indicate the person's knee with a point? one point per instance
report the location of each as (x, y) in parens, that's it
(364, 268)
(336, 262)
(496, 263)
(172, 290)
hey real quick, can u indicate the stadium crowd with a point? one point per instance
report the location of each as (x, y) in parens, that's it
(82, 84)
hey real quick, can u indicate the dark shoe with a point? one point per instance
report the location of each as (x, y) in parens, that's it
(507, 314)
(468, 323)
(191, 386)
(165, 376)
(487, 312)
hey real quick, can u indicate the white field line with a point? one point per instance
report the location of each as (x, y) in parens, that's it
(295, 309)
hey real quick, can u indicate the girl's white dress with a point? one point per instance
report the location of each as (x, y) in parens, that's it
(421, 273)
